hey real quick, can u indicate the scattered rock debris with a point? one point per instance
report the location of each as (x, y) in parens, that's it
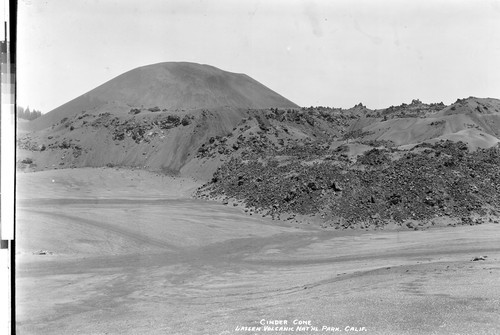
(43, 252)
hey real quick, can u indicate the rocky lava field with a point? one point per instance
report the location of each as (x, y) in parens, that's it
(344, 176)
(417, 189)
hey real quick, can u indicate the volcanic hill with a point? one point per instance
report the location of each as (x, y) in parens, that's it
(153, 117)
(171, 86)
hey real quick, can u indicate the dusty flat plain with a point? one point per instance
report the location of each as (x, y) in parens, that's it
(128, 252)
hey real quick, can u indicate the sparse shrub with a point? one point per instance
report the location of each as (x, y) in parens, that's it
(185, 121)
(438, 123)
(64, 145)
(27, 161)
(173, 118)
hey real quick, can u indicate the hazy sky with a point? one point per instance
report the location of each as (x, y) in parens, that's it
(323, 52)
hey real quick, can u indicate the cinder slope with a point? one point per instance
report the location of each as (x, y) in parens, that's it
(171, 86)
(474, 121)
(153, 141)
